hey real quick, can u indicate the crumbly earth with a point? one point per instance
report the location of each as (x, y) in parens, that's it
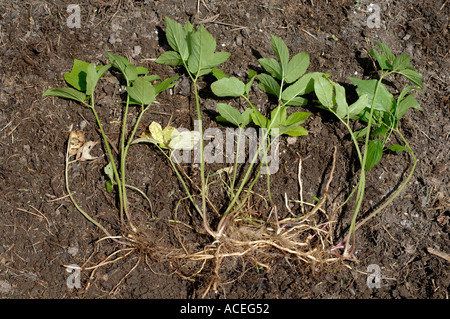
(41, 232)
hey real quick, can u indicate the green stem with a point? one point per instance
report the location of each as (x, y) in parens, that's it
(358, 151)
(123, 156)
(249, 190)
(362, 182)
(202, 155)
(244, 181)
(236, 163)
(362, 222)
(181, 179)
(111, 158)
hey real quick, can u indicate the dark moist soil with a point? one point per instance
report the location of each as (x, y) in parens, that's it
(41, 232)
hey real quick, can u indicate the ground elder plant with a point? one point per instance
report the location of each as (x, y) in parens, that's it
(381, 113)
(236, 228)
(140, 92)
(239, 231)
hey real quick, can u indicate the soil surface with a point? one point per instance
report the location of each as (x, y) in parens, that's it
(41, 232)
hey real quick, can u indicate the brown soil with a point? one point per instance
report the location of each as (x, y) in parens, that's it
(41, 231)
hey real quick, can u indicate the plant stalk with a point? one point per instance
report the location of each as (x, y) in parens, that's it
(362, 181)
(111, 158)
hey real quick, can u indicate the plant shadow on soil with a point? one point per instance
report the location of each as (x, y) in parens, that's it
(41, 231)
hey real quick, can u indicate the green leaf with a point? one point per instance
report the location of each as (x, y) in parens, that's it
(295, 101)
(66, 93)
(361, 133)
(278, 116)
(142, 91)
(118, 61)
(324, 92)
(130, 73)
(303, 86)
(230, 114)
(246, 117)
(218, 74)
(356, 108)
(187, 29)
(385, 99)
(293, 131)
(141, 70)
(297, 67)
(405, 104)
(93, 75)
(251, 77)
(382, 60)
(203, 46)
(297, 118)
(398, 148)
(166, 84)
(382, 130)
(228, 87)
(109, 186)
(91, 79)
(401, 62)
(151, 78)
(77, 76)
(216, 59)
(341, 100)
(268, 84)
(259, 119)
(176, 37)
(101, 70)
(374, 153)
(414, 76)
(281, 51)
(170, 58)
(271, 66)
(386, 50)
